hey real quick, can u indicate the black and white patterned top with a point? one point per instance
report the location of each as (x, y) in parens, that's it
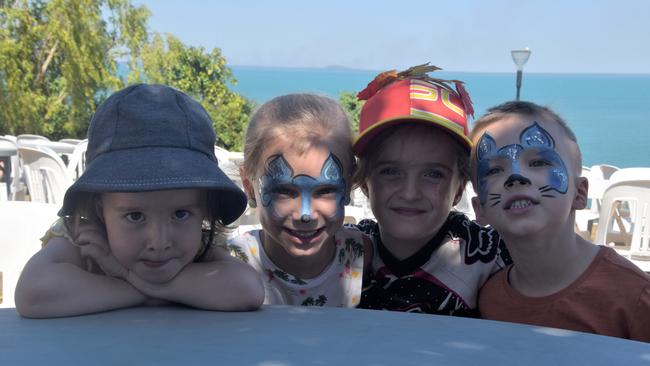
(443, 277)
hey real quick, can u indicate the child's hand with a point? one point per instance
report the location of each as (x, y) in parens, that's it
(93, 244)
(155, 291)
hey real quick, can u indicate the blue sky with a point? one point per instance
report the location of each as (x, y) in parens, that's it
(594, 36)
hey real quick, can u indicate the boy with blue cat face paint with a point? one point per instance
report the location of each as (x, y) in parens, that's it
(526, 168)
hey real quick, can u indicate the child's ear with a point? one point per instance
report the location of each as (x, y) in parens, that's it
(246, 182)
(476, 205)
(582, 194)
(459, 193)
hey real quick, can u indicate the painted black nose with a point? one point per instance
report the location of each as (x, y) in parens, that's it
(516, 178)
(305, 218)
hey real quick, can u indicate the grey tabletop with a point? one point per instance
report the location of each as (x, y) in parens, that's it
(281, 335)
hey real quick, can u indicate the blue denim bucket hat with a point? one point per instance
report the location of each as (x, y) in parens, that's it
(150, 138)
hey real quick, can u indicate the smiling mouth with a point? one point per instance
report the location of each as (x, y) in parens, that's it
(520, 203)
(407, 211)
(305, 234)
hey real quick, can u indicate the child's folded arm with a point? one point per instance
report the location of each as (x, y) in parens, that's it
(55, 283)
(223, 283)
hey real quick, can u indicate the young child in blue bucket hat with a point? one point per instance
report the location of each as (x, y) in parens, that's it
(139, 227)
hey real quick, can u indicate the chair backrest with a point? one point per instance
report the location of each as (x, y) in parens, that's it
(630, 200)
(13, 174)
(45, 174)
(71, 141)
(228, 165)
(630, 174)
(7, 143)
(604, 170)
(26, 136)
(77, 161)
(22, 224)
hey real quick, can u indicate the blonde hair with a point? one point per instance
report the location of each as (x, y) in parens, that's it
(306, 119)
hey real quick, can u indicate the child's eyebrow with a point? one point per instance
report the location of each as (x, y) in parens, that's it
(128, 208)
(426, 164)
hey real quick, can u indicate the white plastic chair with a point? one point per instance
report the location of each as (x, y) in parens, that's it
(15, 188)
(227, 164)
(77, 161)
(604, 170)
(71, 141)
(599, 177)
(28, 137)
(630, 174)
(22, 224)
(626, 207)
(45, 174)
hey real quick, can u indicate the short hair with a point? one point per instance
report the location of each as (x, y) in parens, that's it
(307, 119)
(523, 108)
(367, 161)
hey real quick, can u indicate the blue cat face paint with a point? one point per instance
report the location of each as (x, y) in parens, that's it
(280, 189)
(533, 141)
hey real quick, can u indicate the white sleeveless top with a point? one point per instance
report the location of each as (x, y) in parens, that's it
(339, 285)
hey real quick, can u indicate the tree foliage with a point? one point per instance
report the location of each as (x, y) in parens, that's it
(204, 76)
(352, 106)
(57, 57)
(58, 61)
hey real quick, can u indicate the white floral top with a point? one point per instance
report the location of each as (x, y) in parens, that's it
(339, 285)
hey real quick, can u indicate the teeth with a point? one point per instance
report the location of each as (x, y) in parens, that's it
(520, 204)
(304, 234)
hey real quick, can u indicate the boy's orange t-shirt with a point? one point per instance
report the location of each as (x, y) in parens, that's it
(612, 297)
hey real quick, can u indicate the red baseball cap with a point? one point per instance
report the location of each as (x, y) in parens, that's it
(399, 98)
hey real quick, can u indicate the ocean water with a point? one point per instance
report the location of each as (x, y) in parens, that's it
(610, 114)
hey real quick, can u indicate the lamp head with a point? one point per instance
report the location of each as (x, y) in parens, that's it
(520, 57)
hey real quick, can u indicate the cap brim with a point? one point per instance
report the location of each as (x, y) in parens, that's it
(361, 142)
(158, 168)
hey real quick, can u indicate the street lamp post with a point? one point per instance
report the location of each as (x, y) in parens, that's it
(520, 57)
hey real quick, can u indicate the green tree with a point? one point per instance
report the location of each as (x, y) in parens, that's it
(57, 61)
(352, 107)
(204, 76)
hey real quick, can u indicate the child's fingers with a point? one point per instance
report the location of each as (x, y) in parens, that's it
(91, 237)
(104, 259)
(89, 249)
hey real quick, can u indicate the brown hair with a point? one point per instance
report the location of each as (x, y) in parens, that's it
(367, 162)
(307, 119)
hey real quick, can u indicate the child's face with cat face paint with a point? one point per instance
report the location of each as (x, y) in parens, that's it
(525, 175)
(301, 197)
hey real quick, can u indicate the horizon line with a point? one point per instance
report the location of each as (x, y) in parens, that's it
(347, 68)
